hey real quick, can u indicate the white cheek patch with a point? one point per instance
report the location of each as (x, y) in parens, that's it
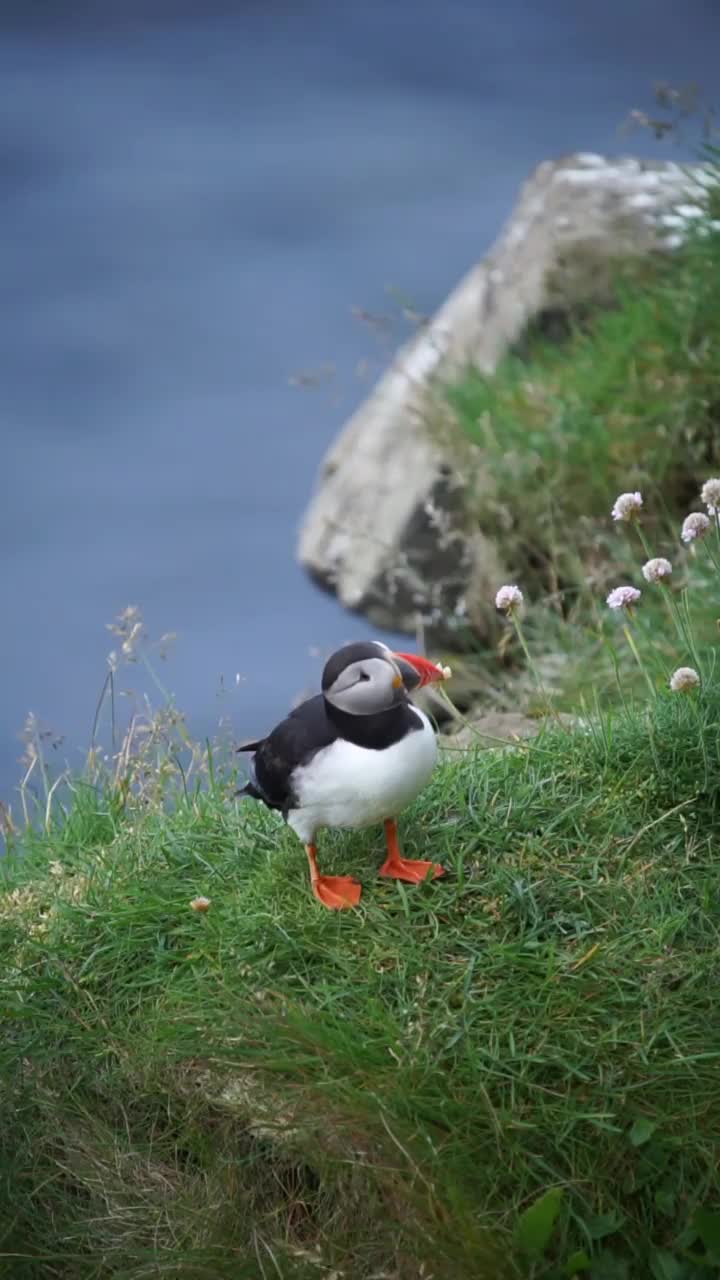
(347, 680)
(364, 688)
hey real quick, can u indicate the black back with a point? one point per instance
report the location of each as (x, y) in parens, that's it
(310, 728)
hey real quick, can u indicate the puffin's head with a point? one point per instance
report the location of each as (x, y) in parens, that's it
(368, 677)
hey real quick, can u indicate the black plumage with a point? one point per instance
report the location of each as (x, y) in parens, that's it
(312, 726)
(291, 743)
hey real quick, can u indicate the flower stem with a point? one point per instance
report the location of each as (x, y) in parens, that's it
(636, 654)
(694, 700)
(713, 557)
(680, 615)
(644, 541)
(681, 620)
(536, 675)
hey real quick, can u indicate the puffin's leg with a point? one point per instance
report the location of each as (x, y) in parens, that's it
(334, 892)
(399, 868)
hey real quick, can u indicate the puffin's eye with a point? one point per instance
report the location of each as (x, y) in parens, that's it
(364, 675)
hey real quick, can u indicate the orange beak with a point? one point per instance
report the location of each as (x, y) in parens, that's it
(417, 671)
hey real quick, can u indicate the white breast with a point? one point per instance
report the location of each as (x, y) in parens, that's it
(349, 786)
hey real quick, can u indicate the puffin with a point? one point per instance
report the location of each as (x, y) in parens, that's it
(350, 757)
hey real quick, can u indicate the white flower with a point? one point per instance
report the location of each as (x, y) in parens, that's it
(657, 570)
(508, 599)
(627, 506)
(695, 526)
(623, 597)
(683, 679)
(200, 904)
(710, 494)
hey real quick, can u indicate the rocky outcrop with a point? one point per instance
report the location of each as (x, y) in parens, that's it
(499, 728)
(386, 529)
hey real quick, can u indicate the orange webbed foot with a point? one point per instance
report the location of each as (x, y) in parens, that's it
(414, 871)
(337, 892)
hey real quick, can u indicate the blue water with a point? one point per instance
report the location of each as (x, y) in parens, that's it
(191, 207)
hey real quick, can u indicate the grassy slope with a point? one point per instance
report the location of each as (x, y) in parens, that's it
(226, 1094)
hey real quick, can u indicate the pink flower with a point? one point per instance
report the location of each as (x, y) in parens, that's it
(695, 526)
(627, 507)
(657, 570)
(710, 494)
(508, 599)
(684, 679)
(623, 597)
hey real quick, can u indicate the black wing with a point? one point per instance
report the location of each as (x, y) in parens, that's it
(292, 743)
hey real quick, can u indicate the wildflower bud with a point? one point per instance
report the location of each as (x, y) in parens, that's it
(627, 507)
(710, 494)
(623, 597)
(657, 570)
(684, 679)
(200, 904)
(695, 526)
(508, 599)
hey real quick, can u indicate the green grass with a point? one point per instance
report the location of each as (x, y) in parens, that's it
(272, 1090)
(630, 400)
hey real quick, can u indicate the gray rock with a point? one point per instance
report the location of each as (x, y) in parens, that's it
(386, 529)
(498, 728)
